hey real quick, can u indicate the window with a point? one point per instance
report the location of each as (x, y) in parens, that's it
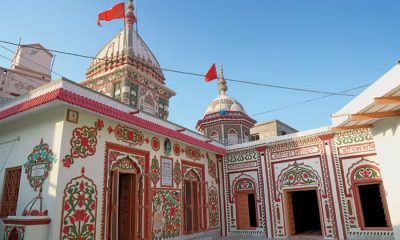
(9, 200)
(214, 135)
(283, 133)
(232, 137)
(254, 137)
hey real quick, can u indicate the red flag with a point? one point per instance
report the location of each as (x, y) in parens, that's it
(118, 11)
(211, 74)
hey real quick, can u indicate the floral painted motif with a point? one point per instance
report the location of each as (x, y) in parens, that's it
(155, 144)
(365, 173)
(177, 174)
(79, 209)
(83, 143)
(193, 153)
(299, 175)
(125, 163)
(14, 232)
(155, 171)
(99, 124)
(192, 175)
(213, 206)
(212, 168)
(40, 163)
(177, 149)
(245, 184)
(127, 134)
(166, 213)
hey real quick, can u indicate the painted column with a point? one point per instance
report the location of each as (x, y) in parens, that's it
(267, 209)
(327, 144)
(125, 91)
(222, 205)
(386, 135)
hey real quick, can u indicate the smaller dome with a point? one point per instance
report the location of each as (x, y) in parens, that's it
(224, 103)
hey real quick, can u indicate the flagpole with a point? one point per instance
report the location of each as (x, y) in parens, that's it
(137, 29)
(125, 43)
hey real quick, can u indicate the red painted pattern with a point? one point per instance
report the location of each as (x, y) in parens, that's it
(89, 104)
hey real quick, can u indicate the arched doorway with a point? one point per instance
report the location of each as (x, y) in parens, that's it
(246, 203)
(125, 214)
(370, 198)
(192, 202)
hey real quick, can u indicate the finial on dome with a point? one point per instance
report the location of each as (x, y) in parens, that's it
(130, 18)
(221, 82)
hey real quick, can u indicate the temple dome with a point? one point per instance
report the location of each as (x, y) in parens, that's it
(115, 50)
(224, 103)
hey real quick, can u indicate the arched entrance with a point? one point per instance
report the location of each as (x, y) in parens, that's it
(125, 213)
(246, 203)
(192, 202)
(299, 186)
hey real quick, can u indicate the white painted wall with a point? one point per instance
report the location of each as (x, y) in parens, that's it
(44, 124)
(387, 140)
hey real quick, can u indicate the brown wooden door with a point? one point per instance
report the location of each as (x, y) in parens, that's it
(192, 207)
(127, 207)
(290, 214)
(243, 210)
(9, 201)
(124, 206)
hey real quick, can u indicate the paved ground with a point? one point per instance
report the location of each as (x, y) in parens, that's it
(300, 237)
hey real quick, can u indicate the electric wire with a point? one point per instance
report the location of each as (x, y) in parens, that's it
(307, 101)
(9, 153)
(191, 73)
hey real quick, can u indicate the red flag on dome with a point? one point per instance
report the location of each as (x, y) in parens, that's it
(118, 11)
(211, 74)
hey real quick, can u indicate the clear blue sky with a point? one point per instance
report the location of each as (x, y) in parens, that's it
(322, 45)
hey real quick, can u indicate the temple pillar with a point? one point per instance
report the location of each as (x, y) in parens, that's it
(125, 91)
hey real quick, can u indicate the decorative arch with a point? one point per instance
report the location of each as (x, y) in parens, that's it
(358, 169)
(214, 135)
(126, 164)
(192, 175)
(245, 184)
(245, 195)
(235, 183)
(296, 175)
(232, 136)
(366, 173)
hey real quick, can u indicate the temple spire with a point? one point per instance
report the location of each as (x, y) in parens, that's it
(222, 88)
(130, 19)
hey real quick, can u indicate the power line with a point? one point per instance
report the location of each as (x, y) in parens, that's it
(191, 73)
(307, 101)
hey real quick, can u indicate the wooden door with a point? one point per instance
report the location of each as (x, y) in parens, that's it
(188, 206)
(9, 201)
(290, 215)
(192, 207)
(196, 206)
(127, 207)
(243, 210)
(123, 206)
